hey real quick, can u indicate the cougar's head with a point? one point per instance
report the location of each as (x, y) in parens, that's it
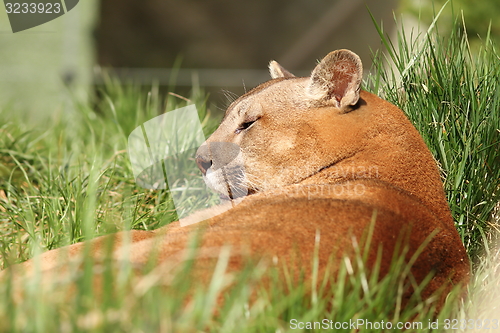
(284, 130)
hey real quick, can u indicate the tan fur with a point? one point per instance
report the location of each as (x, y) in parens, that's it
(317, 155)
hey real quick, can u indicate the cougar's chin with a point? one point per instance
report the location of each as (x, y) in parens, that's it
(225, 187)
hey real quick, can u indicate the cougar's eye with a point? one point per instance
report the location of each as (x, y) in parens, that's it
(245, 125)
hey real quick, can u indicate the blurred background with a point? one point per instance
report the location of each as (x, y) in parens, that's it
(215, 45)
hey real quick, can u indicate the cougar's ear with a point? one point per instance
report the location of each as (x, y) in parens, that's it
(336, 80)
(277, 71)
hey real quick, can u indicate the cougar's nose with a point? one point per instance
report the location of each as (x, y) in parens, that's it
(203, 164)
(203, 159)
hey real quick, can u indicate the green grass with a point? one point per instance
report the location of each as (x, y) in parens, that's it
(70, 179)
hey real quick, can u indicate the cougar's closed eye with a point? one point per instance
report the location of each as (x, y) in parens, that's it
(245, 125)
